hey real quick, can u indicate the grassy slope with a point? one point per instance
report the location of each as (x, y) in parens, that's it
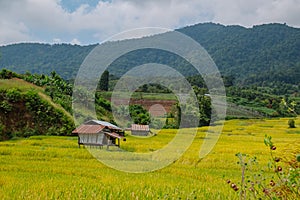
(25, 86)
(54, 168)
(53, 109)
(18, 83)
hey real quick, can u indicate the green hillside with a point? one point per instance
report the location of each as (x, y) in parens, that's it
(26, 110)
(265, 54)
(38, 104)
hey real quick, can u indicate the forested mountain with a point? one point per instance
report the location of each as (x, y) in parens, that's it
(269, 52)
(65, 59)
(265, 54)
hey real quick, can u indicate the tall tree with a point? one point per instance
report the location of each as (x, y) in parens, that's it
(103, 83)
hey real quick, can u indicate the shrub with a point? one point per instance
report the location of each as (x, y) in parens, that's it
(2, 127)
(5, 106)
(291, 123)
(13, 95)
(4, 134)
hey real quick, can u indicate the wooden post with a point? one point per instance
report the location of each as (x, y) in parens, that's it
(107, 147)
(78, 142)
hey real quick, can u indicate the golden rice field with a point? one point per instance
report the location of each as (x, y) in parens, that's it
(48, 167)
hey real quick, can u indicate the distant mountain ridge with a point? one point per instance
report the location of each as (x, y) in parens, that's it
(38, 58)
(263, 53)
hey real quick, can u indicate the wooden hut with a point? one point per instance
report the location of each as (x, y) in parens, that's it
(98, 133)
(140, 130)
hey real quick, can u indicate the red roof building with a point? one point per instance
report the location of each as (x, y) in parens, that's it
(98, 133)
(140, 130)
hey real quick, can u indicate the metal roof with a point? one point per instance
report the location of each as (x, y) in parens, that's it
(95, 126)
(103, 123)
(87, 128)
(138, 127)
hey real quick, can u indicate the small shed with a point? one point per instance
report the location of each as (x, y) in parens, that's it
(98, 133)
(140, 130)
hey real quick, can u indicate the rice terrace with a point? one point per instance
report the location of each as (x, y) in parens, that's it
(51, 167)
(128, 118)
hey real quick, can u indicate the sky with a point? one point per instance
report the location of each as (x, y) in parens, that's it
(86, 22)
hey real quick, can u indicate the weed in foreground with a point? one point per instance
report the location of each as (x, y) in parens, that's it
(280, 179)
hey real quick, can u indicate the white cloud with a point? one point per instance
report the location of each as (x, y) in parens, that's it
(75, 41)
(28, 20)
(249, 13)
(11, 32)
(56, 40)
